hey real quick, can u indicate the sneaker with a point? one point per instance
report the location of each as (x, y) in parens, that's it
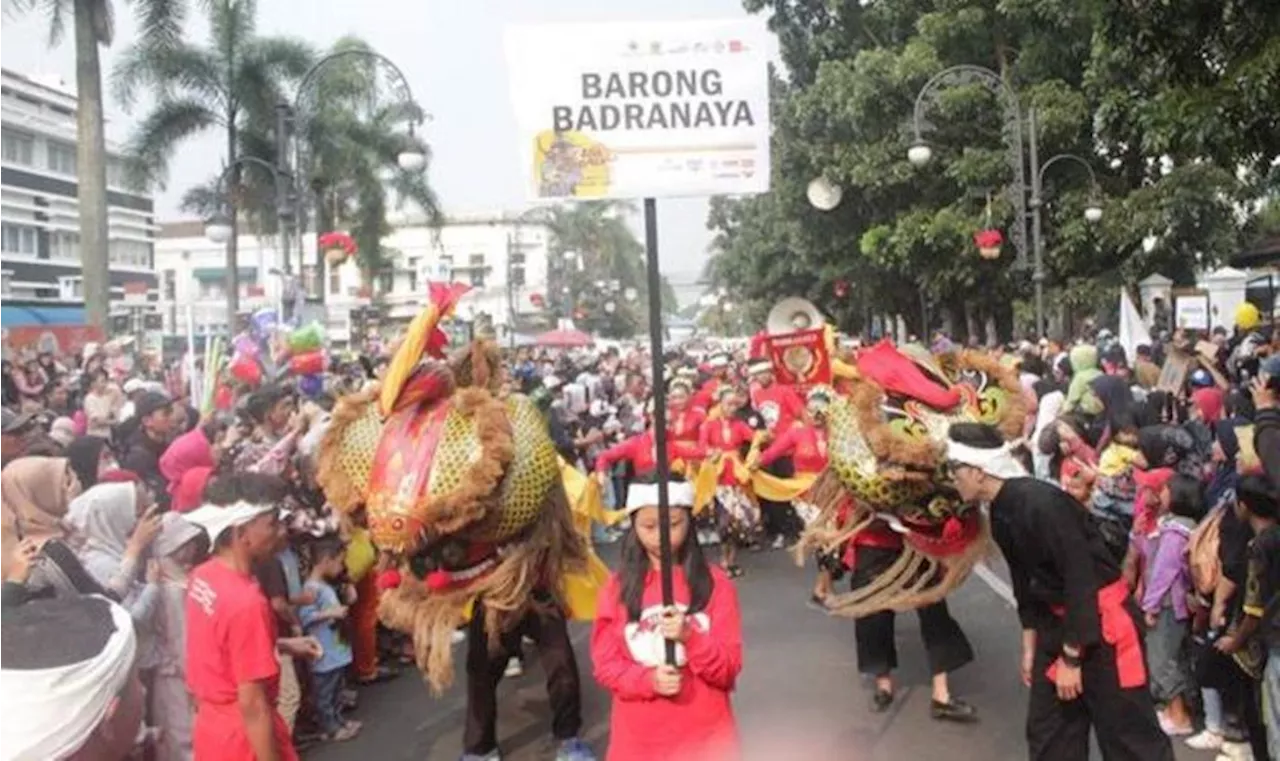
(881, 701)
(713, 537)
(1231, 751)
(514, 668)
(346, 732)
(574, 749)
(1171, 729)
(1205, 740)
(779, 542)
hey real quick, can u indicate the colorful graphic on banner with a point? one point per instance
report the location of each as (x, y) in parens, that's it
(62, 340)
(800, 358)
(642, 110)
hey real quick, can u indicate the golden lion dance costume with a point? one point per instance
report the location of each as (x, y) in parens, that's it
(886, 465)
(463, 488)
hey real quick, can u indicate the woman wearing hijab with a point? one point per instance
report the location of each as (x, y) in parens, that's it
(113, 542)
(35, 493)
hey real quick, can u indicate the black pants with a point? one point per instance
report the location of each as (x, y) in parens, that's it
(1123, 719)
(944, 641)
(1241, 694)
(484, 671)
(779, 518)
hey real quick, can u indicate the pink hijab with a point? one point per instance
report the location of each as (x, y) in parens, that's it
(188, 451)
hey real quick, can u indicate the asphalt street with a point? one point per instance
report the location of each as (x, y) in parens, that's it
(800, 695)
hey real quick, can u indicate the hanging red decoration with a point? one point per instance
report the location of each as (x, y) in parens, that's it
(579, 314)
(337, 246)
(842, 288)
(989, 243)
(537, 300)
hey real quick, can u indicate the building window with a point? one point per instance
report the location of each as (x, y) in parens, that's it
(212, 290)
(64, 245)
(62, 158)
(130, 253)
(386, 281)
(7, 286)
(71, 288)
(335, 281)
(18, 239)
(19, 147)
(476, 261)
(170, 285)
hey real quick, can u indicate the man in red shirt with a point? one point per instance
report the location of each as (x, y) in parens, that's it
(232, 668)
(780, 406)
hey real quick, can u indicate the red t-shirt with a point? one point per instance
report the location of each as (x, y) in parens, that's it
(231, 640)
(806, 445)
(779, 405)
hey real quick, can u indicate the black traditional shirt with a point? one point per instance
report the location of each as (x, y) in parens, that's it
(1056, 556)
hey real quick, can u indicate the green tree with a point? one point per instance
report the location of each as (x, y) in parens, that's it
(607, 254)
(902, 237)
(160, 24)
(233, 83)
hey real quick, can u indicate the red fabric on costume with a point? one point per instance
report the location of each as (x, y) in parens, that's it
(364, 627)
(897, 374)
(806, 444)
(780, 399)
(231, 640)
(188, 493)
(1119, 631)
(698, 723)
(642, 452)
(686, 424)
(878, 534)
(724, 436)
(705, 398)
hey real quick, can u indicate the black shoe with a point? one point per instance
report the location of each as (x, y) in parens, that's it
(956, 710)
(881, 701)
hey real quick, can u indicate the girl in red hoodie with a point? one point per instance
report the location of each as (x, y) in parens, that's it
(663, 711)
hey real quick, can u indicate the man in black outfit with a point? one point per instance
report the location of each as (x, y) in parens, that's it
(1081, 646)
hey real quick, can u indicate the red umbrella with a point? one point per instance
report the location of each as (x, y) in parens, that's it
(565, 339)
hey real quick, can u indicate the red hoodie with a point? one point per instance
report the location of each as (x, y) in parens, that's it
(697, 724)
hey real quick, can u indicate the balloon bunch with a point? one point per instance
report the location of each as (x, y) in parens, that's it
(304, 349)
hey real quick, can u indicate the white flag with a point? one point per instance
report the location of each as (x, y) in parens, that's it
(1133, 332)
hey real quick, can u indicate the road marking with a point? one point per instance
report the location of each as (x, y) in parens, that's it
(997, 584)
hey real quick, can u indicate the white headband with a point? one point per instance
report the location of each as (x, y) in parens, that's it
(51, 713)
(999, 462)
(218, 518)
(679, 494)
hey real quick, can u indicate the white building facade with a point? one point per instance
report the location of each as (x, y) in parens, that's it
(504, 260)
(40, 239)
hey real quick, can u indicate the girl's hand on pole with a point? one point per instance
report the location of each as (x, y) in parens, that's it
(666, 681)
(674, 625)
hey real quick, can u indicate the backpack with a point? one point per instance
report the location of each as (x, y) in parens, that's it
(1202, 553)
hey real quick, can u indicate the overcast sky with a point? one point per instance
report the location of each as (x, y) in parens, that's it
(451, 52)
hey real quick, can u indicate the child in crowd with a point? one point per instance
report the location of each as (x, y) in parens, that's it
(180, 547)
(320, 619)
(662, 710)
(1178, 504)
(1114, 493)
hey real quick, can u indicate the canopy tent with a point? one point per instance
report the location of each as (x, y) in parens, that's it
(565, 338)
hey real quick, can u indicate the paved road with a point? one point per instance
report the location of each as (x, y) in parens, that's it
(800, 695)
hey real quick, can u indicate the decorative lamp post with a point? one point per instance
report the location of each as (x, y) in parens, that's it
(217, 230)
(823, 194)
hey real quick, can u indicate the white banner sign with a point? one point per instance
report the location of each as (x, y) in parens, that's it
(641, 110)
(1191, 312)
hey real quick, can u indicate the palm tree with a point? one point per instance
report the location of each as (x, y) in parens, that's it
(232, 83)
(160, 23)
(351, 144)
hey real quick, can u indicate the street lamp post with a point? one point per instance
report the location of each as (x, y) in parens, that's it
(920, 154)
(218, 229)
(290, 115)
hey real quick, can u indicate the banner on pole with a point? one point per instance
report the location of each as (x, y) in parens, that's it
(646, 110)
(799, 358)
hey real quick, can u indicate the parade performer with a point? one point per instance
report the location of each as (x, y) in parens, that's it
(464, 489)
(806, 444)
(661, 711)
(779, 406)
(705, 398)
(887, 503)
(720, 443)
(684, 420)
(1081, 648)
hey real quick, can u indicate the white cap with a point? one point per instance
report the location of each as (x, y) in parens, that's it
(133, 385)
(679, 494)
(551, 382)
(218, 518)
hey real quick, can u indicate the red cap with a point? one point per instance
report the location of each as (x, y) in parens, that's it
(1153, 479)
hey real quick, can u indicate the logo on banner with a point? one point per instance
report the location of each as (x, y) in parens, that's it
(800, 358)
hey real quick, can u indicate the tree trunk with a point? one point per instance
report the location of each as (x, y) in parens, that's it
(91, 163)
(233, 251)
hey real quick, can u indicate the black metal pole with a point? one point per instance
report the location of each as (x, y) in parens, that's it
(659, 408)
